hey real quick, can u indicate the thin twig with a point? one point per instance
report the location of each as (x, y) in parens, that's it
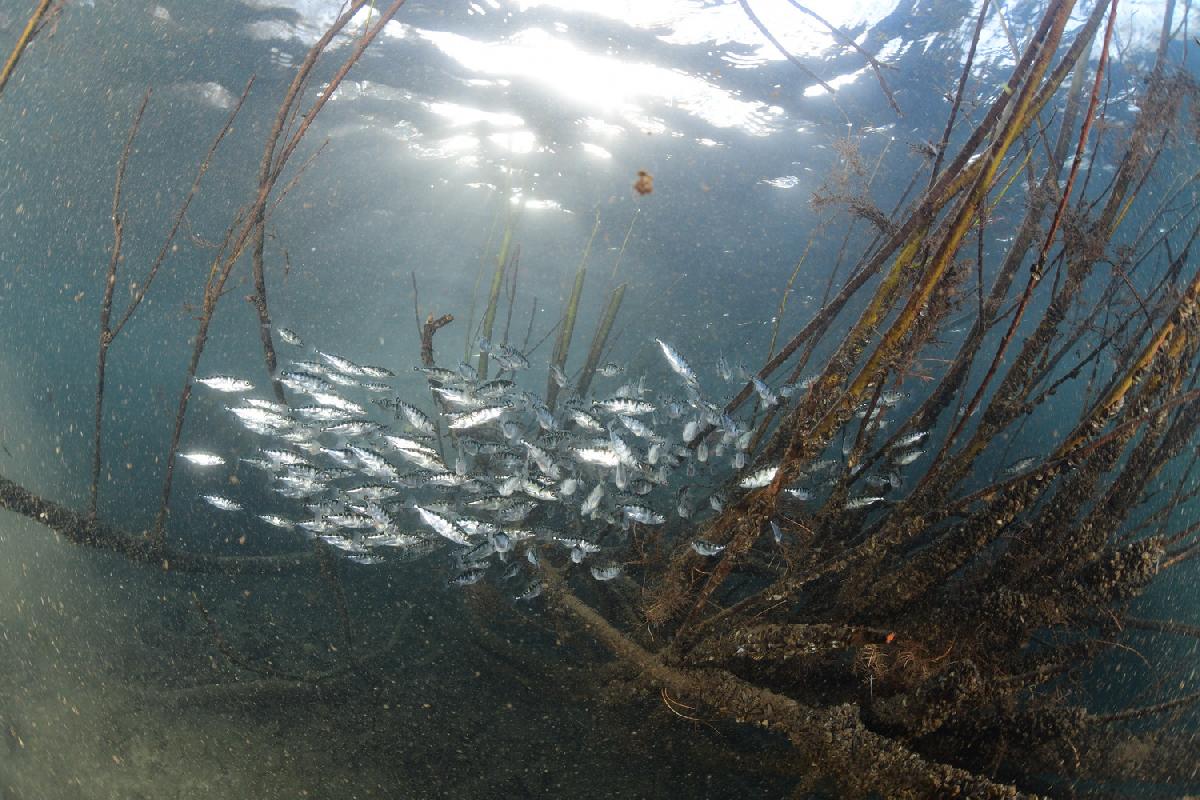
(110, 282)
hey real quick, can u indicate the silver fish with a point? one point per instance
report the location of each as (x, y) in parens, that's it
(342, 365)
(1020, 466)
(643, 515)
(606, 573)
(611, 370)
(202, 459)
(472, 419)
(375, 372)
(603, 457)
(907, 457)
(415, 418)
(759, 479)
(531, 591)
(442, 526)
(592, 502)
(291, 337)
(764, 392)
(224, 383)
(855, 503)
(909, 439)
(223, 503)
(467, 578)
(678, 364)
(706, 548)
(337, 401)
(624, 405)
(304, 381)
(724, 370)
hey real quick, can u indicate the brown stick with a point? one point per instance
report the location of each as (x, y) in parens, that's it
(431, 327)
(22, 42)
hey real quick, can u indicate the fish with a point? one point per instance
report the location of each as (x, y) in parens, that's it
(224, 383)
(706, 548)
(291, 337)
(334, 400)
(724, 370)
(531, 591)
(342, 365)
(764, 392)
(522, 475)
(678, 364)
(855, 503)
(202, 459)
(643, 515)
(442, 526)
(759, 479)
(304, 381)
(909, 439)
(375, 372)
(625, 405)
(415, 418)
(467, 578)
(600, 456)
(1020, 466)
(473, 419)
(223, 503)
(592, 501)
(605, 573)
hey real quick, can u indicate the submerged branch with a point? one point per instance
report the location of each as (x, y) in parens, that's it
(78, 529)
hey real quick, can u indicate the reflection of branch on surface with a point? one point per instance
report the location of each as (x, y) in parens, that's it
(766, 32)
(848, 40)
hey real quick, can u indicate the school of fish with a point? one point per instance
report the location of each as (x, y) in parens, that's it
(492, 473)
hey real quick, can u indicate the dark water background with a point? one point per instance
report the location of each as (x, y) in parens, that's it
(96, 652)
